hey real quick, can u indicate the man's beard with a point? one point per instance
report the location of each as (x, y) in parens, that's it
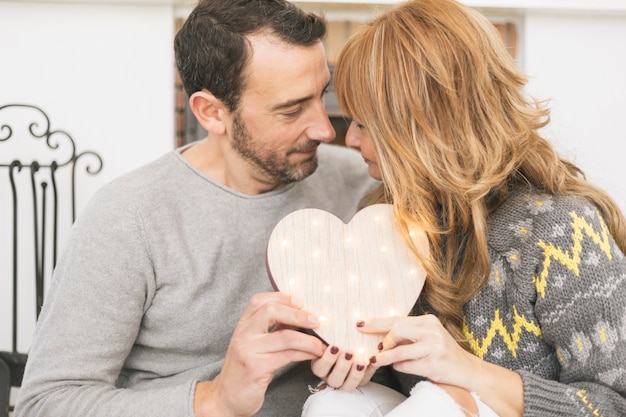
(276, 167)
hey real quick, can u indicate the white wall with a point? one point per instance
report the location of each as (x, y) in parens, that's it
(578, 61)
(102, 72)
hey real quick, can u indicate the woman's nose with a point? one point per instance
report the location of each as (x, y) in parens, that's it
(352, 137)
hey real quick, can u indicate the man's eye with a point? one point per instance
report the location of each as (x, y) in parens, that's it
(293, 113)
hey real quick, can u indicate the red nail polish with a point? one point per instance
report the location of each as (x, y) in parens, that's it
(348, 356)
(360, 367)
(334, 350)
(360, 323)
(373, 359)
(380, 346)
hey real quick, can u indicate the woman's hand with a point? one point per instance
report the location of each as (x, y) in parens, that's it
(414, 345)
(341, 369)
(421, 346)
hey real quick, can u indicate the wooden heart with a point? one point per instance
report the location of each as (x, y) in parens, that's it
(346, 272)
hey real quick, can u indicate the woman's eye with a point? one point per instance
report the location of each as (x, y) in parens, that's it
(358, 125)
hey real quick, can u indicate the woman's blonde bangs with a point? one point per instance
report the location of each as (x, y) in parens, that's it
(352, 76)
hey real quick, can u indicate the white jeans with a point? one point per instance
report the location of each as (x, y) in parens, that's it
(374, 400)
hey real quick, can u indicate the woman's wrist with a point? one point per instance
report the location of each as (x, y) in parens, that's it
(501, 389)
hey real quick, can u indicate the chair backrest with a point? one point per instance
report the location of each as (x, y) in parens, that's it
(39, 167)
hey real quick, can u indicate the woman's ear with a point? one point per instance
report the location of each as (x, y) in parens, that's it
(209, 110)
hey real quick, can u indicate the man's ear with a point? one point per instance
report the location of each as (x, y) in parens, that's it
(209, 110)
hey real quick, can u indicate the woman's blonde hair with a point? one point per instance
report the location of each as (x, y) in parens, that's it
(443, 101)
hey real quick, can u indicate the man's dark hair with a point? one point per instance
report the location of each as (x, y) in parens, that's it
(211, 48)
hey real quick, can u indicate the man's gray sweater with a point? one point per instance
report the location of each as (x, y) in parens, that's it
(156, 275)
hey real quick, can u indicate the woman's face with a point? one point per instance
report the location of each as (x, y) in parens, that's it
(358, 137)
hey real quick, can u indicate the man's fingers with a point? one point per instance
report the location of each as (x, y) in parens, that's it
(257, 301)
(270, 311)
(287, 339)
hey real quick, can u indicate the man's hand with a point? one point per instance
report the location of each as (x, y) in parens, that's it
(263, 341)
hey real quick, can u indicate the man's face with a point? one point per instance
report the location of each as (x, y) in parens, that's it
(281, 117)
(274, 164)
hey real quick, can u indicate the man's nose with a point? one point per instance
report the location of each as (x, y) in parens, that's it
(322, 130)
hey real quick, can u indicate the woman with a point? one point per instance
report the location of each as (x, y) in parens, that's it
(526, 278)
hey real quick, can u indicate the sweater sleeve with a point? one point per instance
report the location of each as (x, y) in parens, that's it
(89, 322)
(581, 307)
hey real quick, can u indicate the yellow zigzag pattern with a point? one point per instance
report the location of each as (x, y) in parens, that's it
(511, 340)
(581, 394)
(571, 260)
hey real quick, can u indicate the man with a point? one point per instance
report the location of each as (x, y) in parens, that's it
(161, 304)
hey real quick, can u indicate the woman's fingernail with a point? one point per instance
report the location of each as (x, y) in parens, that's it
(312, 319)
(334, 350)
(380, 346)
(373, 359)
(348, 356)
(360, 367)
(360, 323)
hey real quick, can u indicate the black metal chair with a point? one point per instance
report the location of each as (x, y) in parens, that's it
(38, 172)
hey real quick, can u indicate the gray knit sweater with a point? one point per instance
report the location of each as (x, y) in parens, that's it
(158, 270)
(554, 308)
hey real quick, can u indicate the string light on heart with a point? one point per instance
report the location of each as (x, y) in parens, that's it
(346, 272)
